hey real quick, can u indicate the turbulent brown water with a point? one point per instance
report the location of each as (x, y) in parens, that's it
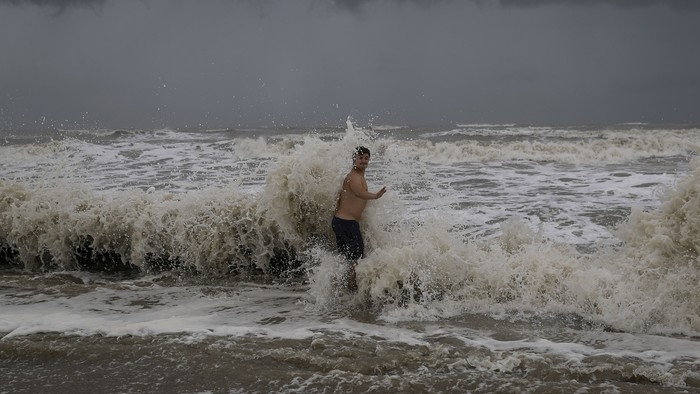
(504, 258)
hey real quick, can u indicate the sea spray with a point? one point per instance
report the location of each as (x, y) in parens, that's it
(426, 269)
(327, 274)
(435, 265)
(209, 229)
(562, 146)
(661, 249)
(51, 225)
(636, 287)
(420, 263)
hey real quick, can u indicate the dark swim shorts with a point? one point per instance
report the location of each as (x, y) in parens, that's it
(348, 238)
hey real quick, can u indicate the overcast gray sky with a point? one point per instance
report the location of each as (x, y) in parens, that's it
(219, 63)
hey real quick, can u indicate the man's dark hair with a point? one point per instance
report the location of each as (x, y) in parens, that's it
(360, 150)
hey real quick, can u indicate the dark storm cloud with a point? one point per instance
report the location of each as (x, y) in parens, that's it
(59, 5)
(694, 5)
(221, 63)
(54, 3)
(355, 5)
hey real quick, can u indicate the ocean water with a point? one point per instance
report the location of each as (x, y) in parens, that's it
(503, 258)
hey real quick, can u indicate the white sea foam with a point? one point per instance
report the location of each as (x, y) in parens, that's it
(618, 148)
(465, 227)
(646, 286)
(492, 259)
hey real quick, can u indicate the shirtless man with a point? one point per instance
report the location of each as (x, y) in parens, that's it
(348, 212)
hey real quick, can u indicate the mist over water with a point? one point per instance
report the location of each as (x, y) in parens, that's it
(498, 250)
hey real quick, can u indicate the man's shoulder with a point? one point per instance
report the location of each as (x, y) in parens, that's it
(354, 176)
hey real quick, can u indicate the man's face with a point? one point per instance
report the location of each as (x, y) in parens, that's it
(361, 161)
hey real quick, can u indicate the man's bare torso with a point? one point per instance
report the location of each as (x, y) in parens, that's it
(349, 206)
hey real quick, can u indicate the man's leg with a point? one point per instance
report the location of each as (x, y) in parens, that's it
(350, 244)
(352, 277)
(356, 252)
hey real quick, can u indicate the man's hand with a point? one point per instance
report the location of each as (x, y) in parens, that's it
(380, 192)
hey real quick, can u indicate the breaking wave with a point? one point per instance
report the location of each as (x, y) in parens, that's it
(415, 268)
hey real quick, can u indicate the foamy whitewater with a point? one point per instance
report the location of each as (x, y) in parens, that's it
(503, 258)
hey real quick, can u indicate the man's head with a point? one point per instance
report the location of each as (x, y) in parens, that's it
(360, 150)
(360, 157)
